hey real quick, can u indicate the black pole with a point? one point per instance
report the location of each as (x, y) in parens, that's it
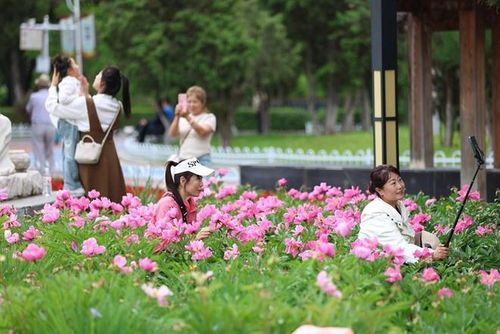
(447, 244)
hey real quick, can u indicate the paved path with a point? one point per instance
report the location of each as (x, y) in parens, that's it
(137, 170)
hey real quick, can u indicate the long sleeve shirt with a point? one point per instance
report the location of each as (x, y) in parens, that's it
(76, 111)
(382, 221)
(36, 107)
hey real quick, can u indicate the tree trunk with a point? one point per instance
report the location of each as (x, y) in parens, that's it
(331, 106)
(449, 117)
(16, 80)
(367, 111)
(311, 91)
(348, 123)
(348, 107)
(261, 104)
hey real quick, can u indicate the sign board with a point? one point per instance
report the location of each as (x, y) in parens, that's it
(88, 36)
(30, 39)
(67, 36)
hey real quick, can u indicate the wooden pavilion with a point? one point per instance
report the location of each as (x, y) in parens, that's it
(471, 18)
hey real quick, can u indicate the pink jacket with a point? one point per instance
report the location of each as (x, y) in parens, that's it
(168, 202)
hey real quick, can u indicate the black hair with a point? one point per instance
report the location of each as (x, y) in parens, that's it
(173, 186)
(113, 81)
(61, 64)
(379, 176)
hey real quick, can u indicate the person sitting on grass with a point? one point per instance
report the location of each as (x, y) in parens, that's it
(386, 217)
(184, 181)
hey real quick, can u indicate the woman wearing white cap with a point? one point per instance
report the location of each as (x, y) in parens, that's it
(184, 181)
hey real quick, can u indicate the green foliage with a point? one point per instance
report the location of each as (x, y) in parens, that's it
(272, 292)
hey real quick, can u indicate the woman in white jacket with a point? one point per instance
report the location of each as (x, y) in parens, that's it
(386, 217)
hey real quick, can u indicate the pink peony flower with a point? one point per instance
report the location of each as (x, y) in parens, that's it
(132, 239)
(463, 223)
(231, 253)
(199, 250)
(430, 275)
(222, 172)
(160, 294)
(50, 214)
(33, 253)
(365, 249)
(31, 233)
(11, 238)
(419, 219)
(93, 194)
(63, 195)
(473, 195)
(410, 205)
(91, 248)
(440, 229)
(430, 202)
(393, 274)
(3, 194)
(282, 182)
(424, 253)
(483, 230)
(148, 265)
(293, 246)
(326, 285)
(491, 278)
(445, 293)
(119, 261)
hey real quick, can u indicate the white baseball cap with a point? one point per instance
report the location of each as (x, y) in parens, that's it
(192, 165)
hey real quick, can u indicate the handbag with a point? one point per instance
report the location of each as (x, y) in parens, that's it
(89, 152)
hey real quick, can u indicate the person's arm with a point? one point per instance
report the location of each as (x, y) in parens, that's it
(173, 130)
(202, 128)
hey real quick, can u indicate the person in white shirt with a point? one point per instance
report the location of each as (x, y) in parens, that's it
(386, 217)
(194, 125)
(93, 115)
(69, 88)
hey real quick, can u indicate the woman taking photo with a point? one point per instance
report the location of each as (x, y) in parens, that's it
(386, 217)
(194, 126)
(93, 116)
(184, 181)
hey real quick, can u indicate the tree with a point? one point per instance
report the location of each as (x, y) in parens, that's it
(15, 66)
(223, 46)
(446, 67)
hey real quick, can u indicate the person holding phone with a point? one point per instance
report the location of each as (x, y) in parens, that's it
(386, 217)
(194, 125)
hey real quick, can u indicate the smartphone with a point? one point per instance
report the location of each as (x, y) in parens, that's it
(182, 101)
(478, 154)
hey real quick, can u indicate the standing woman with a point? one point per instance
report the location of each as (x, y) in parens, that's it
(93, 116)
(194, 126)
(386, 217)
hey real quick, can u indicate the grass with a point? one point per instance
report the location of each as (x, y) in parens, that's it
(359, 140)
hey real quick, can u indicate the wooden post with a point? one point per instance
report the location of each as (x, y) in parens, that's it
(420, 92)
(496, 91)
(472, 93)
(384, 64)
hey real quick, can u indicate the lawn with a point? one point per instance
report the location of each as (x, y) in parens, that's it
(359, 140)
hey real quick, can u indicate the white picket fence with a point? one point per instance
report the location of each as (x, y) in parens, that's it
(287, 157)
(234, 156)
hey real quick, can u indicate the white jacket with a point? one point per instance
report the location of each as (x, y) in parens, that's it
(382, 221)
(76, 111)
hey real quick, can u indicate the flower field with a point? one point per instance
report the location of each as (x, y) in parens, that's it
(272, 262)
